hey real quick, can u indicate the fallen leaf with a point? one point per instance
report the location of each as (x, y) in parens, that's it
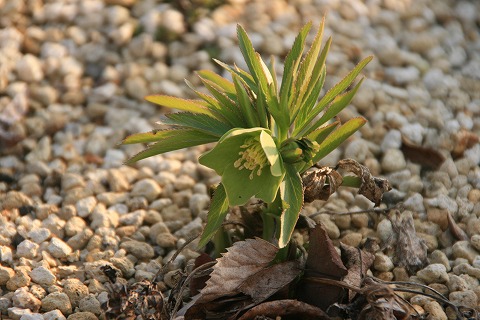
(426, 157)
(357, 262)
(410, 250)
(268, 281)
(243, 260)
(456, 231)
(371, 187)
(323, 261)
(383, 303)
(315, 186)
(464, 140)
(198, 283)
(282, 308)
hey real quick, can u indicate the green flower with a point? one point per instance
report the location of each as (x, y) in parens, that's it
(249, 163)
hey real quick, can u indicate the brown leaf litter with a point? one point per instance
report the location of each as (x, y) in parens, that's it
(321, 182)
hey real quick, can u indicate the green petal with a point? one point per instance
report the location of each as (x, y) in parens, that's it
(240, 188)
(271, 151)
(241, 185)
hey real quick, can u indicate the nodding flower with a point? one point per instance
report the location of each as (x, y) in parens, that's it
(252, 158)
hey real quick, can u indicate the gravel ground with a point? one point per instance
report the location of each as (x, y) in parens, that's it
(72, 79)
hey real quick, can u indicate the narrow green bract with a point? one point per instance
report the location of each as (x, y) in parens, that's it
(266, 136)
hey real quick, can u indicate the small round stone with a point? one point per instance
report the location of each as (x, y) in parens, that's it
(43, 276)
(57, 300)
(393, 160)
(433, 273)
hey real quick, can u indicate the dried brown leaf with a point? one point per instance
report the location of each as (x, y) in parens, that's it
(243, 260)
(371, 187)
(198, 283)
(426, 157)
(456, 231)
(410, 250)
(269, 281)
(323, 261)
(383, 303)
(315, 186)
(284, 308)
(357, 262)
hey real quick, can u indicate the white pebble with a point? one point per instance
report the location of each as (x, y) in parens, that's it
(85, 206)
(29, 68)
(393, 160)
(58, 248)
(43, 276)
(27, 249)
(414, 132)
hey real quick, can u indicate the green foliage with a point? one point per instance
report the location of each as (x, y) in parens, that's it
(267, 136)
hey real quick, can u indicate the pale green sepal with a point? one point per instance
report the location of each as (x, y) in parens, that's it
(271, 151)
(242, 184)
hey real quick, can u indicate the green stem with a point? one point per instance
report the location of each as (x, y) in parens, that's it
(268, 232)
(271, 217)
(221, 242)
(351, 181)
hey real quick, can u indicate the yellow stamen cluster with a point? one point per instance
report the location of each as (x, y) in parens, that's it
(253, 157)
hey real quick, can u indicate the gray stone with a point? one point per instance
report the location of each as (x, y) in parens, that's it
(27, 249)
(33, 316)
(29, 68)
(463, 249)
(393, 160)
(43, 276)
(54, 315)
(39, 235)
(90, 304)
(147, 188)
(85, 206)
(75, 290)
(5, 274)
(82, 316)
(59, 249)
(382, 263)
(19, 279)
(57, 300)
(140, 250)
(25, 300)
(466, 298)
(433, 273)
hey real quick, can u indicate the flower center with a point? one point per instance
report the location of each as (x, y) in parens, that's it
(252, 158)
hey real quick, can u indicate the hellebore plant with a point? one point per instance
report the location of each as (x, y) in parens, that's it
(267, 133)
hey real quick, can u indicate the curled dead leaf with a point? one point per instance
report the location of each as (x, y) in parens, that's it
(410, 250)
(357, 262)
(299, 309)
(426, 157)
(323, 261)
(456, 231)
(315, 186)
(371, 187)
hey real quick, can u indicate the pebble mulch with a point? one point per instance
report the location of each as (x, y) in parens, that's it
(72, 79)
